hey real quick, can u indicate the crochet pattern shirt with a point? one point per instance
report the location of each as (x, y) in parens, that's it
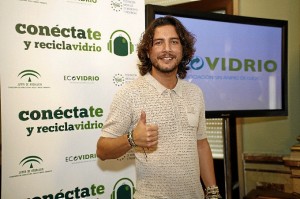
(171, 170)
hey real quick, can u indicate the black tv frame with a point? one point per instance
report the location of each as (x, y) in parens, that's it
(151, 10)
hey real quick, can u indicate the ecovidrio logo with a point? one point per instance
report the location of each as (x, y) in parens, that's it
(83, 1)
(81, 78)
(196, 63)
(88, 1)
(233, 64)
(80, 158)
(120, 43)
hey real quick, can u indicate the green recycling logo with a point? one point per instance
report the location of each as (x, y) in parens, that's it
(120, 43)
(123, 189)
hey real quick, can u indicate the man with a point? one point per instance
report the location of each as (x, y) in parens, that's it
(162, 117)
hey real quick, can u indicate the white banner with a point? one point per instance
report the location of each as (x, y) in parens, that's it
(61, 63)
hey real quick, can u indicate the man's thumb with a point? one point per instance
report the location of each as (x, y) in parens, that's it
(143, 117)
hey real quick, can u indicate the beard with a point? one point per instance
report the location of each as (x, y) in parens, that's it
(171, 67)
(162, 69)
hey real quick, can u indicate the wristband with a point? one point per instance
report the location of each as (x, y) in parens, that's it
(212, 192)
(132, 143)
(130, 139)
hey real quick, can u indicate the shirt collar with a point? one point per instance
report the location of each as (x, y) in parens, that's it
(160, 88)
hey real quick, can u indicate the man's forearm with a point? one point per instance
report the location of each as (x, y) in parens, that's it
(206, 163)
(112, 148)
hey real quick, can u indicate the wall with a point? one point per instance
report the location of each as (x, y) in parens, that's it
(277, 134)
(56, 93)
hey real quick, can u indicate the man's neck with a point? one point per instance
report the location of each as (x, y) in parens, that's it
(168, 80)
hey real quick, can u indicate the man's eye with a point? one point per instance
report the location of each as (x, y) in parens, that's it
(157, 43)
(175, 42)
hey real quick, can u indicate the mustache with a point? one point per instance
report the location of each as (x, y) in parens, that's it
(164, 55)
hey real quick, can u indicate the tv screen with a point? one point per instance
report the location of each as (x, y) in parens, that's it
(240, 63)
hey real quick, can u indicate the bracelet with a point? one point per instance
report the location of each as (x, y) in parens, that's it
(212, 192)
(130, 139)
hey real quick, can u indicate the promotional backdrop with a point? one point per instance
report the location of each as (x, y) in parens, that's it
(61, 63)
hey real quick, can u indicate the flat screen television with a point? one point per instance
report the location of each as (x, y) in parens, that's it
(240, 62)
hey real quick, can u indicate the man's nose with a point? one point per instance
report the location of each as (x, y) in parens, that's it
(167, 47)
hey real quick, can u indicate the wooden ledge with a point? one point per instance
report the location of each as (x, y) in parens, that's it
(291, 161)
(263, 158)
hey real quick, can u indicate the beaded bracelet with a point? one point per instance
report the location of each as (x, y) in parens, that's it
(132, 143)
(130, 139)
(212, 192)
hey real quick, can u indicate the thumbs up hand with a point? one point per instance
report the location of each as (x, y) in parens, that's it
(145, 135)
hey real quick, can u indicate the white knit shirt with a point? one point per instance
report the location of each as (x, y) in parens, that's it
(172, 169)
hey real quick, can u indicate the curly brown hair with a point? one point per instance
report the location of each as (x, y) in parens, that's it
(187, 41)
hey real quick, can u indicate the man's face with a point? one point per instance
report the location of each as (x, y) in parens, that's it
(166, 51)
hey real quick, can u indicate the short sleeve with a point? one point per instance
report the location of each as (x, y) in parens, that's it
(119, 118)
(201, 131)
